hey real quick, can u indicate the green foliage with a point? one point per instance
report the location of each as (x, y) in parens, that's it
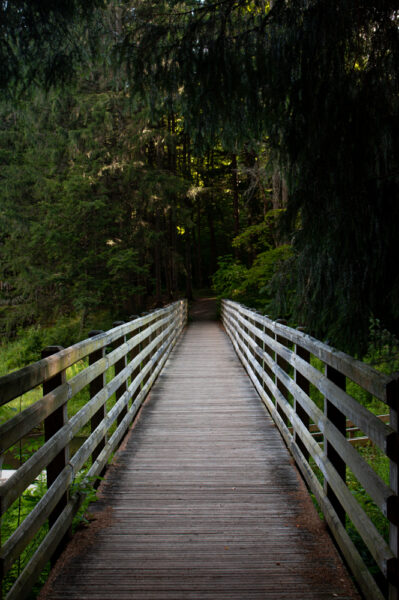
(261, 236)
(44, 42)
(229, 278)
(383, 349)
(13, 517)
(30, 341)
(77, 219)
(319, 81)
(84, 487)
(96, 182)
(250, 285)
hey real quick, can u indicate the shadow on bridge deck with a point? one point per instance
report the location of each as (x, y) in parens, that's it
(204, 309)
(203, 500)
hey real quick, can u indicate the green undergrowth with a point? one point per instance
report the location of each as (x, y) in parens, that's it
(22, 507)
(16, 354)
(26, 346)
(383, 355)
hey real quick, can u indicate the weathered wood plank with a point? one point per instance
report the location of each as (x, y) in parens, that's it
(14, 429)
(357, 371)
(11, 489)
(19, 382)
(204, 500)
(36, 518)
(374, 428)
(377, 546)
(58, 437)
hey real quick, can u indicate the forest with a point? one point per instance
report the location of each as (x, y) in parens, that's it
(154, 150)
(151, 150)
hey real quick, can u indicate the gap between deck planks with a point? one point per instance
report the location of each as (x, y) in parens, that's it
(203, 501)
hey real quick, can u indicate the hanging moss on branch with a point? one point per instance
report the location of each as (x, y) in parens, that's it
(319, 81)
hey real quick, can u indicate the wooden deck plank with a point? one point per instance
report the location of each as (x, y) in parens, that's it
(203, 501)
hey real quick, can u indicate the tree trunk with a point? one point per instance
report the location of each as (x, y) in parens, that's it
(213, 247)
(236, 208)
(280, 191)
(157, 261)
(189, 285)
(199, 258)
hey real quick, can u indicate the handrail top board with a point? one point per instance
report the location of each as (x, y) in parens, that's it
(21, 381)
(278, 360)
(144, 344)
(373, 381)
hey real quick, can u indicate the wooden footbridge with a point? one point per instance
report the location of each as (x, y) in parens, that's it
(203, 499)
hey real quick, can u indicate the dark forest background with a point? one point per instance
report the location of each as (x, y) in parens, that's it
(150, 150)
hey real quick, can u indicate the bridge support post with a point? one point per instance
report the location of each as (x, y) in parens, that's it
(265, 348)
(285, 366)
(303, 383)
(52, 424)
(393, 571)
(119, 366)
(153, 336)
(95, 386)
(339, 420)
(143, 344)
(255, 340)
(133, 355)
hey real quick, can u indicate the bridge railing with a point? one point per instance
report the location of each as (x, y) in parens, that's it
(307, 385)
(120, 367)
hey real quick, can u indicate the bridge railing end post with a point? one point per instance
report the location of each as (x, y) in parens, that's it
(95, 386)
(393, 402)
(52, 424)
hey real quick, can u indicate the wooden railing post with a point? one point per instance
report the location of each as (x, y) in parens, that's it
(263, 383)
(52, 424)
(393, 572)
(95, 386)
(134, 353)
(119, 366)
(270, 352)
(284, 365)
(257, 341)
(339, 420)
(143, 344)
(158, 332)
(151, 338)
(253, 337)
(303, 383)
(241, 326)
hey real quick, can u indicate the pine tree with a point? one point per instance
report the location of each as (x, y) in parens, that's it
(319, 81)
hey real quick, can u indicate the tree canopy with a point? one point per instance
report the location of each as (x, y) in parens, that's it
(197, 118)
(42, 41)
(319, 82)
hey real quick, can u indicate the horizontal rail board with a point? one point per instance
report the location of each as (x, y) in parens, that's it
(25, 475)
(206, 496)
(17, 427)
(377, 545)
(263, 347)
(45, 551)
(373, 484)
(380, 433)
(17, 542)
(143, 354)
(19, 382)
(368, 378)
